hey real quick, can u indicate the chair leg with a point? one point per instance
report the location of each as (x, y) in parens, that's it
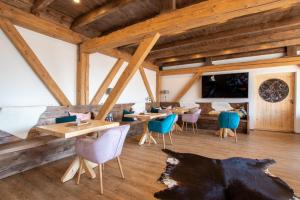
(170, 136)
(120, 166)
(193, 125)
(186, 126)
(80, 170)
(164, 143)
(235, 135)
(100, 177)
(221, 133)
(182, 126)
(196, 127)
(149, 138)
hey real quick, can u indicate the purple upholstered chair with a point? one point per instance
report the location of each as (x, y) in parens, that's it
(103, 149)
(191, 118)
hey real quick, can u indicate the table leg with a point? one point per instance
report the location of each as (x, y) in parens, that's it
(74, 167)
(178, 127)
(147, 137)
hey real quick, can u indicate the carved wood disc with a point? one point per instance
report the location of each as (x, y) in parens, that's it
(273, 90)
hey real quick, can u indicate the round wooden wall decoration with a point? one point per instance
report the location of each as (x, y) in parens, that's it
(273, 90)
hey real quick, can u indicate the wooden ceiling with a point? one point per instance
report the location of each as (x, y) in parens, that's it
(273, 31)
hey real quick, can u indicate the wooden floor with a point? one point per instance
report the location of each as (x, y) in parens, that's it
(143, 166)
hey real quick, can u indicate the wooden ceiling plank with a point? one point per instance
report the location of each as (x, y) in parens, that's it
(224, 57)
(255, 47)
(40, 5)
(197, 15)
(186, 87)
(15, 37)
(82, 78)
(137, 59)
(107, 81)
(274, 26)
(98, 13)
(232, 43)
(278, 62)
(32, 22)
(146, 83)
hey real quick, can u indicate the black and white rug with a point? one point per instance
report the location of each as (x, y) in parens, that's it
(190, 176)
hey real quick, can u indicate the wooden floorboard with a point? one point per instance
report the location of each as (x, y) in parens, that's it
(143, 166)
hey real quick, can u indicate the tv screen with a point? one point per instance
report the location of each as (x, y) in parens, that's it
(225, 86)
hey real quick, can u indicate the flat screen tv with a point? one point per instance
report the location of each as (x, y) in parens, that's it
(225, 86)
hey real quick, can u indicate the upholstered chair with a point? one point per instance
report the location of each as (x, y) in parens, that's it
(229, 120)
(163, 127)
(191, 118)
(105, 148)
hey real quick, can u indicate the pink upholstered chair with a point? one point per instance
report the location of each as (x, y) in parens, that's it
(191, 118)
(103, 149)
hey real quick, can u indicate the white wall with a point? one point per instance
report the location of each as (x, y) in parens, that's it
(176, 82)
(21, 87)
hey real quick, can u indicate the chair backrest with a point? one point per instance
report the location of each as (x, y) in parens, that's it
(229, 120)
(168, 123)
(196, 114)
(110, 144)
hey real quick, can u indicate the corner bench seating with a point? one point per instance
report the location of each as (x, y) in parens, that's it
(18, 155)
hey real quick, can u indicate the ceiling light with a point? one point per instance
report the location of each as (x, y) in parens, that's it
(76, 1)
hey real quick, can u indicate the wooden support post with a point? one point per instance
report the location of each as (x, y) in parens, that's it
(101, 91)
(15, 37)
(82, 78)
(137, 59)
(158, 86)
(291, 51)
(146, 83)
(187, 86)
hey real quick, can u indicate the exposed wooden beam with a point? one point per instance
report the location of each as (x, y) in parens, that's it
(98, 13)
(15, 37)
(158, 86)
(126, 56)
(37, 24)
(32, 22)
(264, 28)
(291, 50)
(137, 59)
(105, 84)
(236, 66)
(267, 37)
(168, 5)
(224, 57)
(187, 86)
(241, 49)
(197, 15)
(146, 83)
(40, 5)
(82, 78)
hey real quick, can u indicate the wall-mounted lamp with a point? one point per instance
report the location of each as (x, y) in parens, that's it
(108, 91)
(76, 1)
(165, 93)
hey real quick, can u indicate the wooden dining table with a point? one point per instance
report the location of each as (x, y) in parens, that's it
(146, 117)
(70, 130)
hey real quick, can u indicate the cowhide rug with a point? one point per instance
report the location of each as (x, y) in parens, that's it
(190, 176)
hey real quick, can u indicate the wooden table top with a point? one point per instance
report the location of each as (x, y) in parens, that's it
(179, 110)
(147, 116)
(69, 130)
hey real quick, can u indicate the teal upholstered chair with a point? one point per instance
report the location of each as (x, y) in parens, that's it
(163, 127)
(229, 120)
